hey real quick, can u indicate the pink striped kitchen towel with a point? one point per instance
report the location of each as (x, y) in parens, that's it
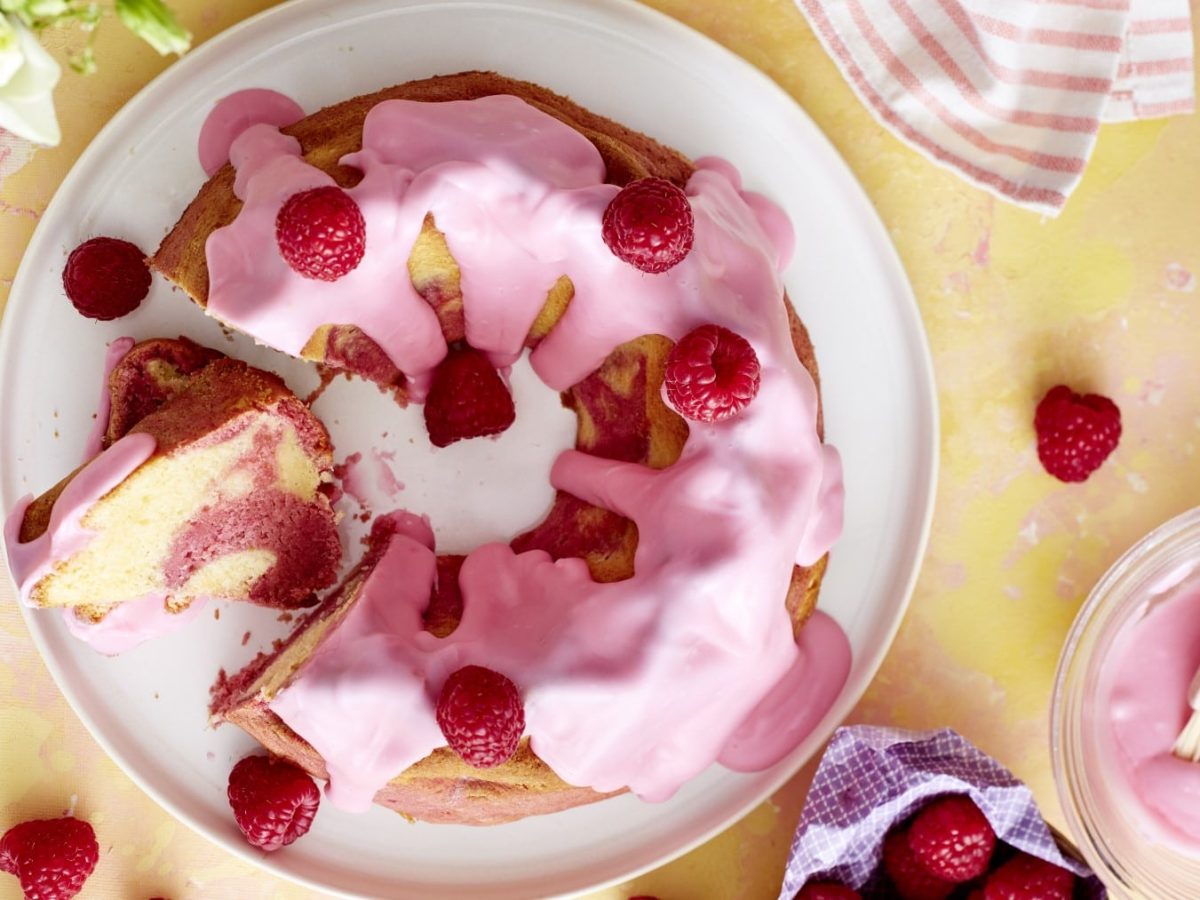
(1011, 94)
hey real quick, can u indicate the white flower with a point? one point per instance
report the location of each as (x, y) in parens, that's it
(28, 75)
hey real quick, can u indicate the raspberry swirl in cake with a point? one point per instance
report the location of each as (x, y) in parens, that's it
(641, 682)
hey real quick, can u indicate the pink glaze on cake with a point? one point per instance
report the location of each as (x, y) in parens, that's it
(797, 703)
(31, 561)
(234, 114)
(112, 356)
(640, 683)
(127, 624)
(131, 623)
(1144, 691)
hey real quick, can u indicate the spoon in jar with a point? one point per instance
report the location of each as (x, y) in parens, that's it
(1187, 745)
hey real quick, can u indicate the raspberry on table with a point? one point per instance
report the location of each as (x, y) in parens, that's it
(481, 715)
(1075, 432)
(827, 890)
(712, 374)
(273, 801)
(467, 399)
(649, 224)
(952, 838)
(910, 878)
(1026, 877)
(321, 233)
(51, 857)
(106, 278)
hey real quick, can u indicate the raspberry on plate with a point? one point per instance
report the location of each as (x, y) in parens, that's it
(649, 224)
(467, 399)
(1026, 877)
(952, 838)
(827, 890)
(910, 878)
(321, 233)
(1075, 432)
(106, 278)
(273, 801)
(51, 857)
(712, 374)
(481, 715)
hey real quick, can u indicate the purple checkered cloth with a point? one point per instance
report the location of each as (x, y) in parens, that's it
(871, 779)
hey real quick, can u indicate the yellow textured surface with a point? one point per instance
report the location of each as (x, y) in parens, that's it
(1013, 303)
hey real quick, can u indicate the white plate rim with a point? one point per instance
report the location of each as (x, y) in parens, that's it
(863, 211)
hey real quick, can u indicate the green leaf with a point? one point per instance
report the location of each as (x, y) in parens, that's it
(155, 24)
(47, 9)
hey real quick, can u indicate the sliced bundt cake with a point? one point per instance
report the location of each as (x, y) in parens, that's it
(213, 484)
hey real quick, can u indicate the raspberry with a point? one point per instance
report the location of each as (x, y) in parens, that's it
(912, 880)
(51, 857)
(649, 225)
(827, 890)
(467, 399)
(106, 278)
(952, 839)
(1026, 877)
(273, 801)
(321, 233)
(712, 374)
(1075, 433)
(481, 714)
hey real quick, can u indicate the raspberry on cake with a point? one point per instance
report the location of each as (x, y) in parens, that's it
(649, 224)
(492, 194)
(212, 486)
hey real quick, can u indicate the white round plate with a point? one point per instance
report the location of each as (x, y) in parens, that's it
(147, 708)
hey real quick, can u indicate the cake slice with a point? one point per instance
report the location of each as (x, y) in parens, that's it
(213, 484)
(441, 788)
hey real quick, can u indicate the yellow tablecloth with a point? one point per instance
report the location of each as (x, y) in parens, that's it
(1099, 298)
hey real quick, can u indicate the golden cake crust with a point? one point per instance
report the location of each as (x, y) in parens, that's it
(620, 410)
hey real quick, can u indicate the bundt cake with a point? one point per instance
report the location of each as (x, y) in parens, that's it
(664, 606)
(211, 483)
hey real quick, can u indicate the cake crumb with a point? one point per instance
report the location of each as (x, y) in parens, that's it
(283, 617)
(245, 639)
(217, 614)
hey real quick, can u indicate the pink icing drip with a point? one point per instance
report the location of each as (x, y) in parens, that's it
(127, 624)
(641, 683)
(1144, 688)
(112, 356)
(131, 623)
(30, 562)
(797, 703)
(234, 114)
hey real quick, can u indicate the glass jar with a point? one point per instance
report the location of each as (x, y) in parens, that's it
(1130, 847)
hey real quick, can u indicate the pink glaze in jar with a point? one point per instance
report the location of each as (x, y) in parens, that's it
(1120, 701)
